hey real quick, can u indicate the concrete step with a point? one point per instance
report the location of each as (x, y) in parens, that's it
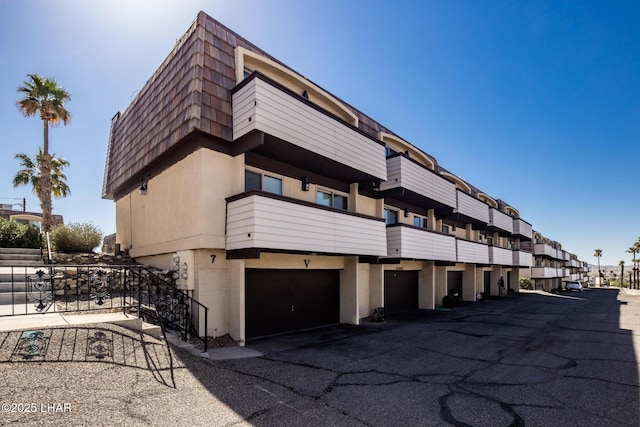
(20, 274)
(21, 251)
(13, 298)
(6, 287)
(10, 263)
(153, 330)
(20, 257)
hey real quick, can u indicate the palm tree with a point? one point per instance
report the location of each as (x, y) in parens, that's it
(598, 254)
(30, 174)
(634, 249)
(621, 264)
(43, 96)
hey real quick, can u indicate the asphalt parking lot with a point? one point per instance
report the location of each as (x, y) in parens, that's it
(531, 359)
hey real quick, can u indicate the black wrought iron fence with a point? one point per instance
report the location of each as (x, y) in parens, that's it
(99, 288)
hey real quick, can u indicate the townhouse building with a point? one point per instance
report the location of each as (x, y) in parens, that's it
(286, 207)
(553, 265)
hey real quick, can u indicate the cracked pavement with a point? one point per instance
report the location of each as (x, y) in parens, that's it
(533, 359)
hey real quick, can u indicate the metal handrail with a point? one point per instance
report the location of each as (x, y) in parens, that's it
(81, 288)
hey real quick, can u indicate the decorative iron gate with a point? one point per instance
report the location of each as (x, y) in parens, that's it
(89, 288)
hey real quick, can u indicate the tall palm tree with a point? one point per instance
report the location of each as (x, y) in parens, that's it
(43, 96)
(634, 249)
(30, 174)
(621, 264)
(598, 254)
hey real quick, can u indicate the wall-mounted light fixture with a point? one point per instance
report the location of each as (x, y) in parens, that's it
(305, 184)
(143, 188)
(305, 94)
(406, 212)
(453, 227)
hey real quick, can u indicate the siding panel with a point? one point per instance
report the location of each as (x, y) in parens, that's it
(281, 115)
(500, 220)
(402, 172)
(406, 242)
(472, 207)
(263, 222)
(472, 252)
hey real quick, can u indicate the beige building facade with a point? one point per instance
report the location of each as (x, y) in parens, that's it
(289, 208)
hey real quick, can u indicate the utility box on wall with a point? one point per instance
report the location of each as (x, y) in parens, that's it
(183, 269)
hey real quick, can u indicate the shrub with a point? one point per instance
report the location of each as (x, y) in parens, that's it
(75, 237)
(526, 283)
(378, 314)
(14, 235)
(448, 301)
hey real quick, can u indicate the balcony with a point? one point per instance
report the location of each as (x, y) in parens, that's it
(522, 229)
(522, 259)
(472, 252)
(258, 220)
(500, 222)
(542, 249)
(544, 273)
(500, 256)
(271, 120)
(409, 180)
(573, 263)
(405, 241)
(470, 210)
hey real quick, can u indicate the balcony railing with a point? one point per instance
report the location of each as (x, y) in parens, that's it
(522, 229)
(500, 221)
(268, 221)
(574, 263)
(472, 252)
(500, 256)
(544, 273)
(405, 241)
(522, 259)
(472, 208)
(542, 249)
(263, 105)
(404, 173)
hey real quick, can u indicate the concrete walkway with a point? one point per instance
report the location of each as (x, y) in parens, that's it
(34, 321)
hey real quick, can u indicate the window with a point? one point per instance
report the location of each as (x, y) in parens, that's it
(256, 181)
(419, 221)
(390, 216)
(327, 198)
(271, 184)
(445, 229)
(388, 151)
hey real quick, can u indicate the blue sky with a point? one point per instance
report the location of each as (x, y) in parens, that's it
(533, 102)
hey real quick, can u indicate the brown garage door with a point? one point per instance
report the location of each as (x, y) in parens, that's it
(287, 300)
(400, 291)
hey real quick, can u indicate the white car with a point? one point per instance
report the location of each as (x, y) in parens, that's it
(573, 285)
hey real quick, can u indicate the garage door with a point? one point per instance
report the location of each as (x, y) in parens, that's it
(287, 300)
(400, 291)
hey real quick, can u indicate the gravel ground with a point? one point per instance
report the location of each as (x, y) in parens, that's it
(104, 374)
